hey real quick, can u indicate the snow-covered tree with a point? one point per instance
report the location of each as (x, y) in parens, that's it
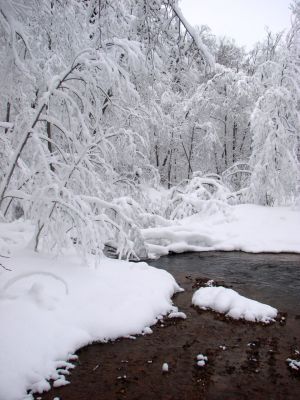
(275, 125)
(275, 176)
(77, 113)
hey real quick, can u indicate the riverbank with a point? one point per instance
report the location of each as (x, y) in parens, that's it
(52, 306)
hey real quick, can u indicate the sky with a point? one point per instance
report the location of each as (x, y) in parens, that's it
(243, 20)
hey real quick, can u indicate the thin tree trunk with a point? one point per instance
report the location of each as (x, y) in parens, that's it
(170, 169)
(157, 156)
(187, 156)
(244, 138)
(170, 162)
(166, 159)
(156, 151)
(216, 160)
(17, 154)
(7, 115)
(24, 141)
(49, 143)
(225, 143)
(106, 101)
(191, 153)
(234, 135)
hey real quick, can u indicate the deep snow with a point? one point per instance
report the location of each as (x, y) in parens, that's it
(245, 227)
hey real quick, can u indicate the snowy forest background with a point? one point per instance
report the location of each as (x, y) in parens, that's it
(118, 115)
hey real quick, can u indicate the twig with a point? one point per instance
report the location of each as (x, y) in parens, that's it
(7, 269)
(4, 256)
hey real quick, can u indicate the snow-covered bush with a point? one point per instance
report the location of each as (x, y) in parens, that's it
(237, 179)
(201, 194)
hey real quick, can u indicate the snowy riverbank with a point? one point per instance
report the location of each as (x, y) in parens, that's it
(246, 227)
(50, 307)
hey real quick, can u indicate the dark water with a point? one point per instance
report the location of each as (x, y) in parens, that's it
(270, 278)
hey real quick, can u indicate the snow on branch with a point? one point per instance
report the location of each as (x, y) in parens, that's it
(206, 54)
(6, 125)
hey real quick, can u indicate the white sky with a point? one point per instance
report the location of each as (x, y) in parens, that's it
(243, 20)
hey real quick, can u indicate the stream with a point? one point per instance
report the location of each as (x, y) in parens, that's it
(266, 277)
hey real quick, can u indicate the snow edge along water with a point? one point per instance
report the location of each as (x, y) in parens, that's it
(60, 306)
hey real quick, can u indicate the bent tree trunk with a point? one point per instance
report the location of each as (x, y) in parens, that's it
(26, 136)
(16, 156)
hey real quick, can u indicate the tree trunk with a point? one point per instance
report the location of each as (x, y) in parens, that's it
(225, 156)
(170, 169)
(234, 136)
(7, 115)
(23, 141)
(191, 153)
(50, 144)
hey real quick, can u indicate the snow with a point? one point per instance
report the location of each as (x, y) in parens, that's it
(60, 382)
(58, 305)
(246, 227)
(147, 331)
(293, 364)
(201, 360)
(165, 367)
(229, 302)
(201, 46)
(177, 314)
(7, 125)
(201, 357)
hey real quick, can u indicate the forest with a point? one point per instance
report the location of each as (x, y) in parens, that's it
(99, 103)
(126, 133)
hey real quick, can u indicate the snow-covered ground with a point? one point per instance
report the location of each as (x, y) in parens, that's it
(245, 227)
(229, 302)
(50, 307)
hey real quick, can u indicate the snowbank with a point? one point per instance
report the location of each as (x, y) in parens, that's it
(229, 302)
(245, 227)
(50, 307)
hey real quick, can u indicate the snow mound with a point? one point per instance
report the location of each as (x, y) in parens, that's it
(229, 302)
(59, 305)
